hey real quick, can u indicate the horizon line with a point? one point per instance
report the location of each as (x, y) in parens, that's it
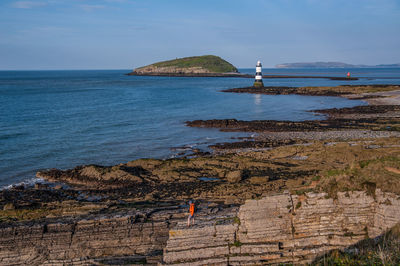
(130, 69)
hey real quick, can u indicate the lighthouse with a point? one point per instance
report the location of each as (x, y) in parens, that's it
(258, 79)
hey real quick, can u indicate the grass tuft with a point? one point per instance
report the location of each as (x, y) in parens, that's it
(383, 250)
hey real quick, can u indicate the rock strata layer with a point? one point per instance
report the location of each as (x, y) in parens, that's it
(131, 237)
(284, 229)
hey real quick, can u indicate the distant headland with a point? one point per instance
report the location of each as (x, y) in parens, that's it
(330, 65)
(206, 65)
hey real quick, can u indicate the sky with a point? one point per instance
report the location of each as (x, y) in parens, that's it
(125, 34)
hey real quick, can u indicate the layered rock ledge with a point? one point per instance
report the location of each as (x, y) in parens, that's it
(284, 228)
(281, 228)
(135, 236)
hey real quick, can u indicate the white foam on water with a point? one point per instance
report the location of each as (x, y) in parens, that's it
(26, 183)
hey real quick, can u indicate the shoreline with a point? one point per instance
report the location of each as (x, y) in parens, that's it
(354, 92)
(296, 159)
(388, 100)
(381, 106)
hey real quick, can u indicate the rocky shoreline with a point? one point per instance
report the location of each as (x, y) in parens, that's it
(377, 118)
(310, 179)
(353, 91)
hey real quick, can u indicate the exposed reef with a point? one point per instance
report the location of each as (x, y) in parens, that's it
(382, 117)
(320, 91)
(377, 124)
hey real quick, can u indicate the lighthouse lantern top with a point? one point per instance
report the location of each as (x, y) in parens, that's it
(259, 63)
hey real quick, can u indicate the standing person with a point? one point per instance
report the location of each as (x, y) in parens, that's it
(191, 213)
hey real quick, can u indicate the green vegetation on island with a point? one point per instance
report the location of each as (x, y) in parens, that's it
(210, 62)
(207, 64)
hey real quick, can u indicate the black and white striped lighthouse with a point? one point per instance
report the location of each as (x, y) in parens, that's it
(258, 79)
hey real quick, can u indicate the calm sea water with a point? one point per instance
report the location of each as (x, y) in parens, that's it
(60, 119)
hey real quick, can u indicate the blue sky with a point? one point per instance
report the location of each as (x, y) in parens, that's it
(124, 34)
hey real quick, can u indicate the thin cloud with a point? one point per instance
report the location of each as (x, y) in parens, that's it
(27, 4)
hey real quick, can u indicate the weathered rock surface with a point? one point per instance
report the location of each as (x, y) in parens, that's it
(133, 237)
(325, 166)
(234, 176)
(234, 125)
(281, 228)
(284, 229)
(341, 90)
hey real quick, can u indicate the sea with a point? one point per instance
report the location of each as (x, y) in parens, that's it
(61, 119)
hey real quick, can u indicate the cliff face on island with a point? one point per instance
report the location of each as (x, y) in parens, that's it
(282, 228)
(208, 64)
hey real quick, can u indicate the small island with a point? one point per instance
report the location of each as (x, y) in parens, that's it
(202, 66)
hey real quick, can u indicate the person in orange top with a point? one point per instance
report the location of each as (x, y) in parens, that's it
(191, 213)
